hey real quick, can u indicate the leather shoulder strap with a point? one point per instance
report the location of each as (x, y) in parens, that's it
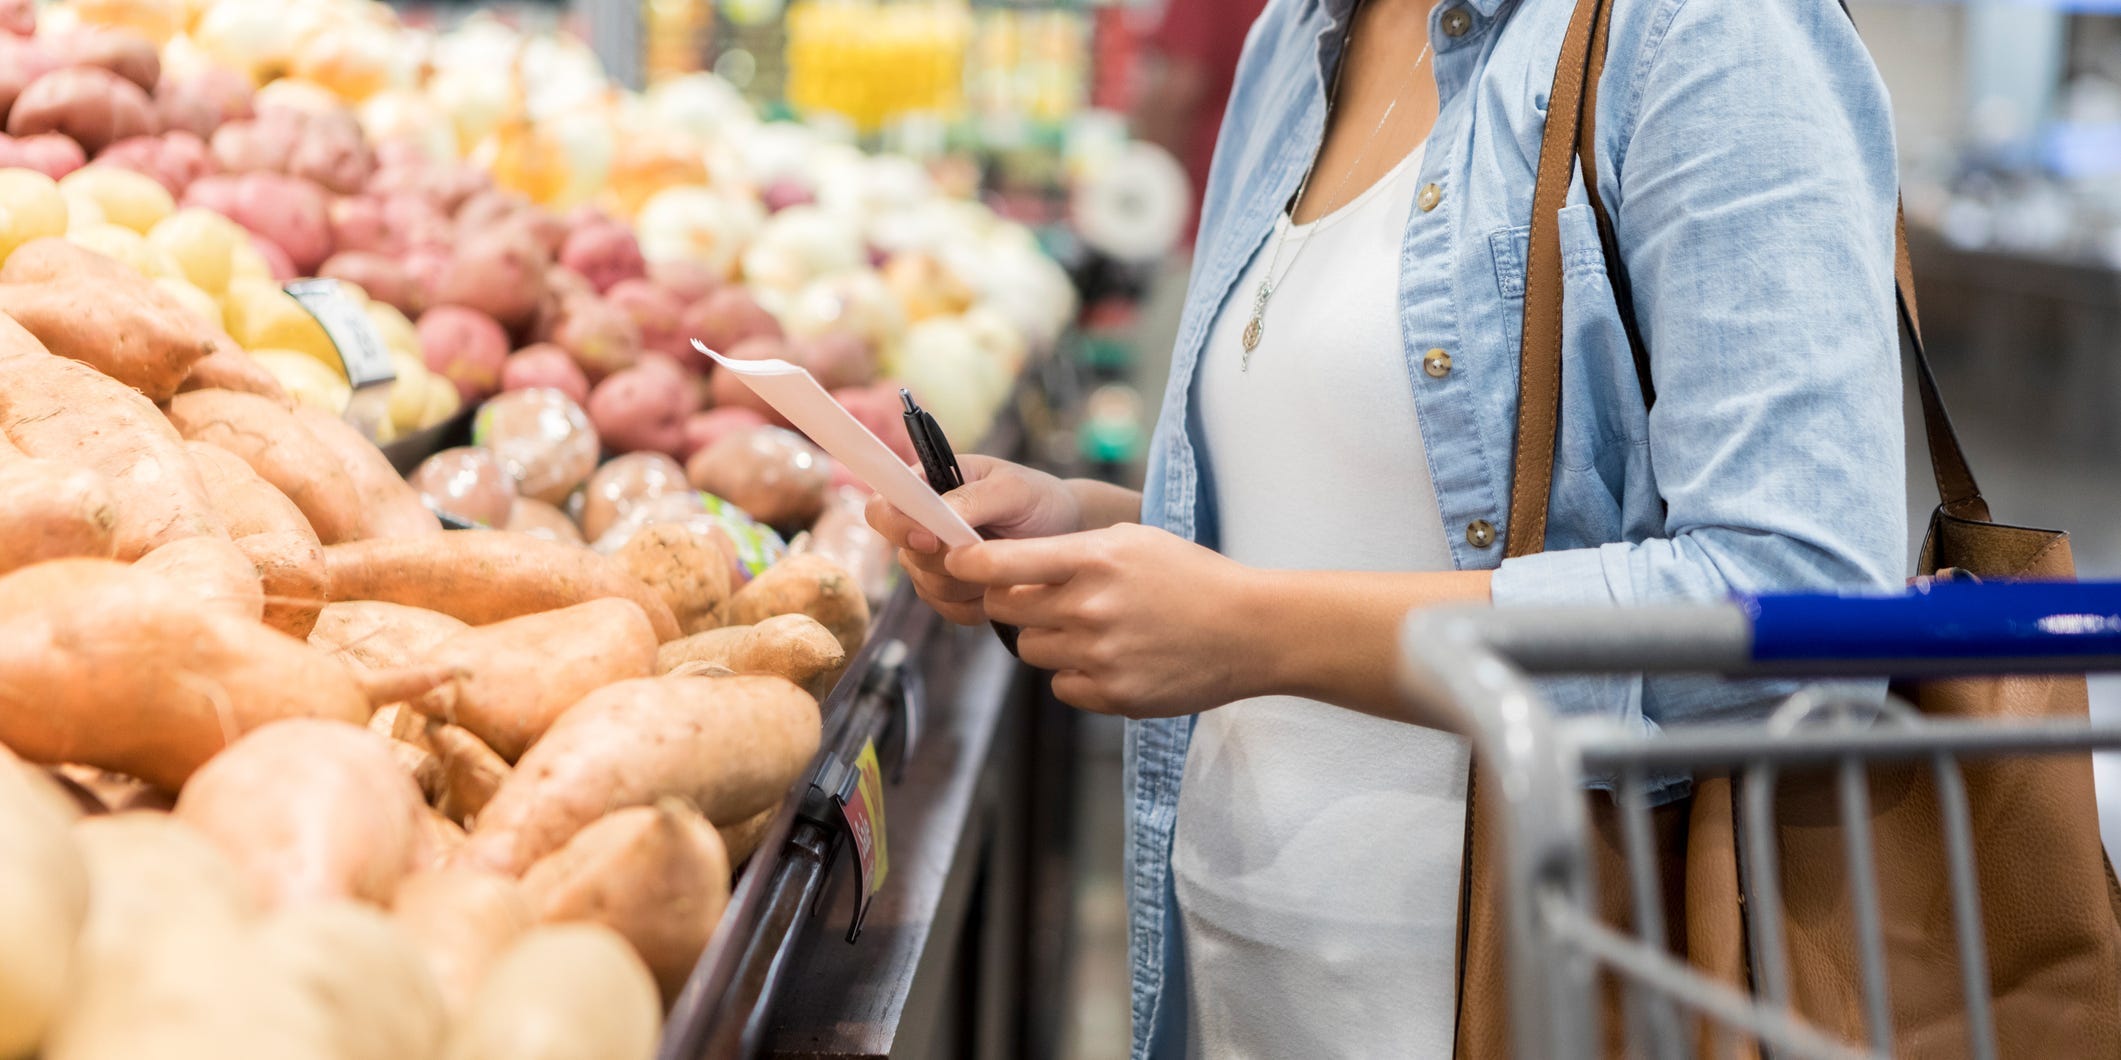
(1571, 140)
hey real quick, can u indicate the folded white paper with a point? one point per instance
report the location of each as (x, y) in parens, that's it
(798, 397)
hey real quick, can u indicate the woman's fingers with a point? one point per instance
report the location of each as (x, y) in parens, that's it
(1027, 605)
(1033, 561)
(943, 589)
(899, 528)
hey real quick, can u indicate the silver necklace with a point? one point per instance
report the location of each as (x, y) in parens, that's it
(1256, 328)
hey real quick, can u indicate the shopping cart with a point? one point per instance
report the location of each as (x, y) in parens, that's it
(1473, 668)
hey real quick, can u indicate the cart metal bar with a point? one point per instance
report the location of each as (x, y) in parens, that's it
(1466, 670)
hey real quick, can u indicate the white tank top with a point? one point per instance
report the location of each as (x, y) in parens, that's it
(1317, 854)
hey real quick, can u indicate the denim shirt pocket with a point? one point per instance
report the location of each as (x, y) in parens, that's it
(1602, 413)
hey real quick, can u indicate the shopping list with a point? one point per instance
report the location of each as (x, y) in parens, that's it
(797, 396)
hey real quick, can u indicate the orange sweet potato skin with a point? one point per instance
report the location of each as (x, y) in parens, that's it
(281, 450)
(389, 505)
(514, 677)
(120, 669)
(270, 531)
(93, 309)
(54, 510)
(486, 576)
(229, 368)
(64, 410)
(213, 571)
(377, 635)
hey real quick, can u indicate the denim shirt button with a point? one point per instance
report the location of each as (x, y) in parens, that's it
(1456, 22)
(1437, 363)
(1431, 195)
(1480, 534)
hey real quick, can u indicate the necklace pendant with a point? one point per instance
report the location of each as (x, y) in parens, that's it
(1253, 330)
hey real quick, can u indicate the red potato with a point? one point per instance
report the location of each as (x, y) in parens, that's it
(18, 17)
(499, 272)
(657, 875)
(129, 56)
(836, 358)
(332, 151)
(382, 277)
(784, 192)
(541, 438)
(621, 483)
(272, 532)
(639, 409)
(290, 213)
(93, 106)
(229, 368)
(539, 519)
(174, 159)
(309, 810)
(703, 429)
(689, 280)
(213, 571)
(729, 745)
(282, 450)
(725, 319)
(486, 577)
(120, 669)
(660, 317)
(389, 506)
(605, 254)
(54, 510)
(466, 346)
(467, 483)
(22, 60)
(358, 224)
(201, 101)
(88, 104)
(692, 385)
(428, 267)
(221, 193)
(775, 475)
(64, 410)
(375, 635)
(545, 365)
(257, 145)
(97, 310)
(600, 336)
(512, 678)
(277, 263)
(463, 921)
(52, 154)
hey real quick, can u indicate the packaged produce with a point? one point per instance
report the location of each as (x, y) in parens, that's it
(842, 534)
(623, 482)
(542, 439)
(773, 474)
(467, 483)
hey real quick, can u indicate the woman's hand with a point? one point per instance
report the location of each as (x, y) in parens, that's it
(1131, 620)
(998, 497)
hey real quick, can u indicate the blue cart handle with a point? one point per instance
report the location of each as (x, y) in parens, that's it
(2014, 624)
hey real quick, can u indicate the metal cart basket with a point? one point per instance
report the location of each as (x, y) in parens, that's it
(1474, 670)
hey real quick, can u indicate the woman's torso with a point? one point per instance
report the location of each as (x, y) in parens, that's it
(1317, 850)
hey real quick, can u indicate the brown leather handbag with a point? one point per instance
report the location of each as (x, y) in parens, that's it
(2050, 908)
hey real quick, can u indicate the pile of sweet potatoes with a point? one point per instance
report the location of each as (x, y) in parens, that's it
(287, 770)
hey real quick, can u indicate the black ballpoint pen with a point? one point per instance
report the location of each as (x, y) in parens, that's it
(944, 475)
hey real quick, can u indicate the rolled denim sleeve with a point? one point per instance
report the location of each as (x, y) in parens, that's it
(1751, 170)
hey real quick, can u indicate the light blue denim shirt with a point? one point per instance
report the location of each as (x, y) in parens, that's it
(1746, 149)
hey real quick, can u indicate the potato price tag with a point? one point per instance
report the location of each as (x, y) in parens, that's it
(361, 350)
(861, 805)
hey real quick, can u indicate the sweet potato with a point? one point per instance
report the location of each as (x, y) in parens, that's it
(117, 668)
(44, 901)
(209, 995)
(486, 577)
(657, 875)
(93, 309)
(462, 921)
(213, 571)
(625, 481)
(53, 510)
(228, 367)
(281, 450)
(367, 983)
(377, 635)
(272, 532)
(390, 507)
(149, 873)
(774, 474)
(688, 571)
(515, 676)
(471, 772)
(810, 585)
(64, 410)
(562, 992)
(794, 646)
(309, 810)
(730, 745)
(442, 836)
(92, 106)
(743, 838)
